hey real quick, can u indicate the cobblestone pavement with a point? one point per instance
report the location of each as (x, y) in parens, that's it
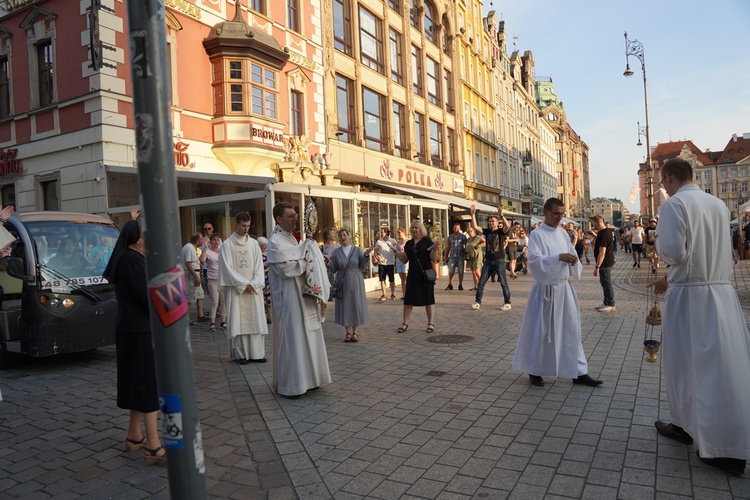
(405, 417)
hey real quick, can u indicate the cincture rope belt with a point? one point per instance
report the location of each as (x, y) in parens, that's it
(701, 283)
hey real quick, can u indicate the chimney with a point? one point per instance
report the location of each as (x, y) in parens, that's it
(746, 135)
(734, 137)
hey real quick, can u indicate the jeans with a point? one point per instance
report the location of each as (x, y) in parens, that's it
(490, 267)
(456, 264)
(605, 278)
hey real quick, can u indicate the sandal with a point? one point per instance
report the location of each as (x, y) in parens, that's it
(348, 337)
(382, 298)
(403, 328)
(193, 323)
(355, 337)
(223, 325)
(132, 445)
(152, 457)
(430, 328)
(212, 327)
(393, 297)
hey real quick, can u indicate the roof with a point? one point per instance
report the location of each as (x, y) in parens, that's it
(735, 151)
(24, 217)
(667, 150)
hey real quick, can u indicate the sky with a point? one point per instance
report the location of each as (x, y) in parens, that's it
(697, 55)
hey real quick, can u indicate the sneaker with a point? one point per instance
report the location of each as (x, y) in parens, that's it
(460, 287)
(506, 307)
(607, 309)
(449, 287)
(600, 307)
(476, 306)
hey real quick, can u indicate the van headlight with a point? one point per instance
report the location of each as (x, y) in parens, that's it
(68, 303)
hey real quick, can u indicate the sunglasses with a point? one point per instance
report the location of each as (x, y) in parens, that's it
(208, 228)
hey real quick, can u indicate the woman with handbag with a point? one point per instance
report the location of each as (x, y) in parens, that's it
(346, 265)
(420, 252)
(474, 255)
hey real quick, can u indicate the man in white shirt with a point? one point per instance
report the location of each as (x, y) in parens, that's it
(193, 275)
(387, 263)
(636, 236)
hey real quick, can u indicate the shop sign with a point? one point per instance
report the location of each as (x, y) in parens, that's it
(412, 175)
(181, 158)
(267, 135)
(11, 5)
(458, 185)
(9, 164)
(184, 7)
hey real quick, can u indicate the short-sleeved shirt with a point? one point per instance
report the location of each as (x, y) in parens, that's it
(495, 248)
(189, 254)
(605, 238)
(457, 245)
(637, 235)
(651, 235)
(384, 245)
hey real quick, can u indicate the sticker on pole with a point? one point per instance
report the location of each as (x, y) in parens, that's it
(171, 410)
(168, 292)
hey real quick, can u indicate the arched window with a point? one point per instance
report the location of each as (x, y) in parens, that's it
(447, 38)
(431, 30)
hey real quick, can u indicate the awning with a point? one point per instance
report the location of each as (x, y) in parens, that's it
(450, 199)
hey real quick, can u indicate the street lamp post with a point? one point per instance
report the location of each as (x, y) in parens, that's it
(635, 48)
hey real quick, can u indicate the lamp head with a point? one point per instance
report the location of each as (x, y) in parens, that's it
(639, 142)
(628, 71)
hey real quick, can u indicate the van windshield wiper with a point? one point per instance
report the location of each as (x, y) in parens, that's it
(75, 287)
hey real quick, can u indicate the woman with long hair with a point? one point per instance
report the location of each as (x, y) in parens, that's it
(210, 257)
(420, 252)
(136, 367)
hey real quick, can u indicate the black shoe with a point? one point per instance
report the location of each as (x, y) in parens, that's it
(731, 465)
(261, 360)
(203, 318)
(673, 432)
(587, 380)
(460, 287)
(241, 361)
(653, 270)
(639, 265)
(449, 287)
(635, 264)
(536, 380)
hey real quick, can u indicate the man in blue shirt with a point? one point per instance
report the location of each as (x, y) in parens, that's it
(455, 252)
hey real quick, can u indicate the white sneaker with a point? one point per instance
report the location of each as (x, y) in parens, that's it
(607, 309)
(600, 307)
(506, 307)
(476, 305)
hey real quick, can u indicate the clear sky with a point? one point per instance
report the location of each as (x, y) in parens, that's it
(697, 56)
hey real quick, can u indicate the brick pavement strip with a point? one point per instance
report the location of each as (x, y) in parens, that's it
(404, 417)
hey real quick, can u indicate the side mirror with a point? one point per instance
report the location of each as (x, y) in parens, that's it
(15, 268)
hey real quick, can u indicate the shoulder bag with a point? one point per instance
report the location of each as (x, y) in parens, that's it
(429, 274)
(337, 287)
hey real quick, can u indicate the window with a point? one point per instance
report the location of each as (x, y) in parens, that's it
(413, 14)
(734, 187)
(45, 71)
(451, 139)
(374, 119)
(448, 91)
(436, 144)
(49, 194)
(743, 187)
(743, 170)
(723, 173)
(430, 28)
(395, 5)
(4, 87)
(446, 38)
(263, 91)
(297, 113)
(416, 70)
(345, 108)
(258, 6)
(419, 135)
(342, 26)
(371, 41)
(433, 81)
(474, 120)
(399, 131)
(397, 70)
(708, 190)
(292, 14)
(707, 175)
(723, 189)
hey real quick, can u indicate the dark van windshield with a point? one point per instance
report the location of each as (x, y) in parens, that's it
(70, 253)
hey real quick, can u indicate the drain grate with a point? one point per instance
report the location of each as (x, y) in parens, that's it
(435, 373)
(450, 339)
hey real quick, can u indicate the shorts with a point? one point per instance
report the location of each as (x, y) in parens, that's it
(649, 251)
(512, 255)
(456, 263)
(401, 268)
(637, 247)
(194, 292)
(384, 271)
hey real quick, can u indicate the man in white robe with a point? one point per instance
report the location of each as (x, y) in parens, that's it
(296, 272)
(241, 280)
(705, 339)
(550, 339)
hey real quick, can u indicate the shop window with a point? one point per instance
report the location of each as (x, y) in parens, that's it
(292, 14)
(397, 70)
(258, 6)
(371, 41)
(297, 113)
(342, 26)
(416, 70)
(374, 119)
(436, 144)
(433, 81)
(345, 107)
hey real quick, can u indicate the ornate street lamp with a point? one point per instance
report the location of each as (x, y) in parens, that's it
(635, 48)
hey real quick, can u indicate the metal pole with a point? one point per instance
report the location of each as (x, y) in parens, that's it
(166, 279)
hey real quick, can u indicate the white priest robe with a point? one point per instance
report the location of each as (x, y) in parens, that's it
(550, 339)
(705, 339)
(295, 272)
(240, 265)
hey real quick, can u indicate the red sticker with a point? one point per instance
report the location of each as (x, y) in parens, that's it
(169, 295)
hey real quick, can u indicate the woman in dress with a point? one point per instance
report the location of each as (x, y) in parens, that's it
(420, 252)
(328, 247)
(210, 257)
(136, 368)
(347, 263)
(475, 255)
(401, 268)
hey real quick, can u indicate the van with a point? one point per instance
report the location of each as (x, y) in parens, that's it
(54, 299)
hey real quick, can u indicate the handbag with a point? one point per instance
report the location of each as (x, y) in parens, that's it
(337, 287)
(429, 274)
